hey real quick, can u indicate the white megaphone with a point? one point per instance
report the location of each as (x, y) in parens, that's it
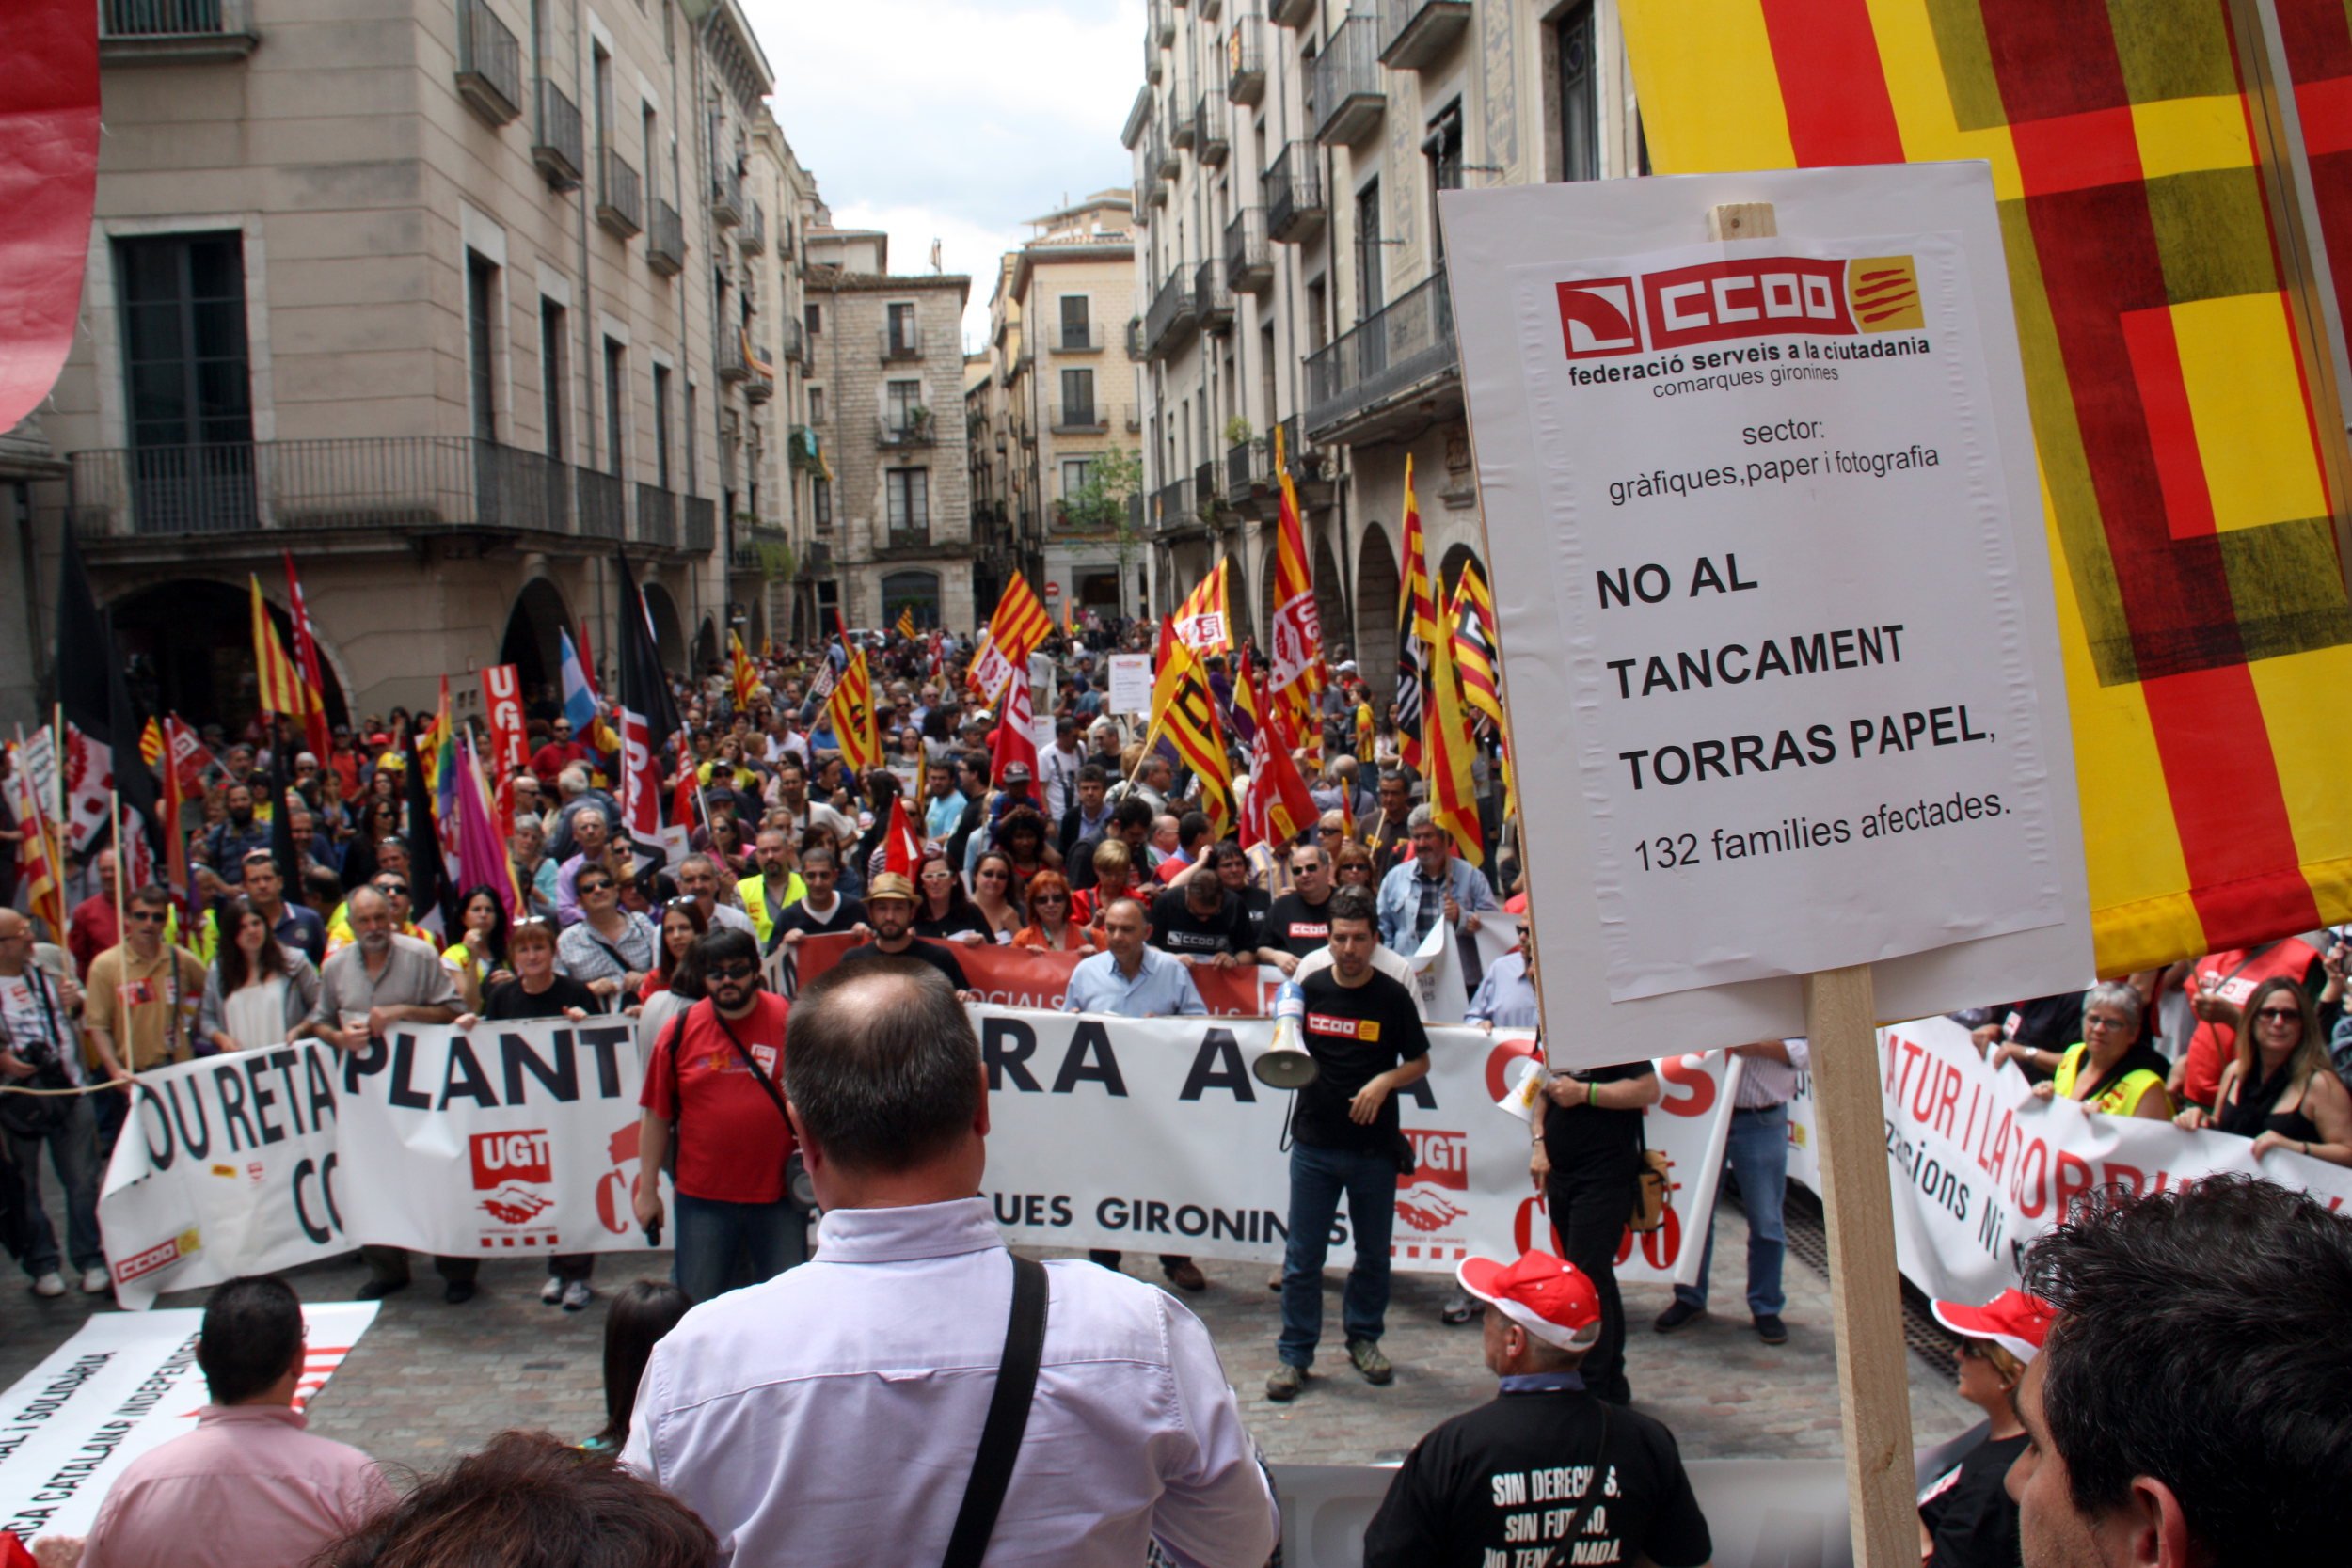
(1285, 1064)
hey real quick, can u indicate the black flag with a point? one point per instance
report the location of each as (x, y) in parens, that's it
(102, 740)
(648, 721)
(428, 884)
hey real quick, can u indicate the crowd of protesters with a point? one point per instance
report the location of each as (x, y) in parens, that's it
(320, 907)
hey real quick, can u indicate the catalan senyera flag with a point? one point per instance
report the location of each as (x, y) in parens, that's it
(1205, 621)
(904, 625)
(1470, 619)
(315, 731)
(282, 690)
(851, 709)
(1014, 629)
(41, 858)
(1295, 626)
(741, 673)
(1416, 629)
(1184, 710)
(2186, 446)
(1453, 788)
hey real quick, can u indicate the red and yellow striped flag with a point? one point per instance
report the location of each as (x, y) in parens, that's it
(850, 711)
(1184, 710)
(740, 672)
(1416, 631)
(1294, 626)
(904, 625)
(1472, 620)
(280, 684)
(1014, 629)
(2186, 441)
(1452, 787)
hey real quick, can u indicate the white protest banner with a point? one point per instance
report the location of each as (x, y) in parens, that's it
(227, 1167)
(127, 1382)
(1116, 1133)
(1842, 677)
(510, 1138)
(1131, 683)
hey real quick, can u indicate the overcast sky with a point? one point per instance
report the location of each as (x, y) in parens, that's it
(955, 120)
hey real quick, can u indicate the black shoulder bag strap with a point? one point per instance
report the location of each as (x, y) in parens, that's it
(758, 1072)
(1007, 1418)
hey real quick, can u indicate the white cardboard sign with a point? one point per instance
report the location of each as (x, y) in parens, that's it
(1131, 683)
(1765, 528)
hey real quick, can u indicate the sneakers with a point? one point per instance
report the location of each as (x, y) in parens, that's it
(1457, 1307)
(96, 1282)
(552, 1291)
(1283, 1383)
(1676, 1316)
(1769, 1329)
(1365, 1354)
(1186, 1275)
(49, 1285)
(576, 1294)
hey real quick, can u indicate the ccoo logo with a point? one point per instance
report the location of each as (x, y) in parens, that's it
(1597, 318)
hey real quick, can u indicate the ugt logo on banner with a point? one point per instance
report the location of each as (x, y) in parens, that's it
(514, 1170)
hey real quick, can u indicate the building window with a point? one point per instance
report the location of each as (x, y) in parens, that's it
(1078, 398)
(815, 401)
(813, 317)
(1443, 149)
(1318, 316)
(616, 366)
(900, 400)
(910, 500)
(904, 337)
(1369, 261)
(553, 381)
(914, 591)
(183, 340)
(1076, 471)
(482, 289)
(1580, 97)
(693, 477)
(821, 502)
(1077, 332)
(661, 426)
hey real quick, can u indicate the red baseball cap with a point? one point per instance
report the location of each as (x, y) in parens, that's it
(2014, 1320)
(1543, 1295)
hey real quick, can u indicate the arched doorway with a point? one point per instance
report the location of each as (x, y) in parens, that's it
(916, 591)
(1375, 611)
(1450, 571)
(707, 644)
(187, 648)
(669, 635)
(1330, 596)
(1238, 599)
(533, 644)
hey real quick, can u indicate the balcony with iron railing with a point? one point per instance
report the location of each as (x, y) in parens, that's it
(398, 485)
(1078, 338)
(1417, 34)
(1163, 21)
(1079, 419)
(1181, 127)
(656, 518)
(752, 239)
(620, 204)
(700, 535)
(757, 548)
(804, 450)
(1207, 492)
(1211, 299)
(1248, 256)
(557, 146)
(901, 342)
(731, 364)
(792, 342)
(908, 536)
(1172, 506)
(1244, 60)
(1291, 13)
(665, 242)
(761, 384)
(1294, 209)
(1347, 98)
(1155, 192)
(1249, 470)
(1164, 163)
(142, 32)
(489, 63)
(1170, 320)
(905, 427)
(1211, 143)
(726, 192)
(1395, 351)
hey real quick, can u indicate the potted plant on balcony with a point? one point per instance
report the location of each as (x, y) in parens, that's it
(1238, 431)
(918, 421)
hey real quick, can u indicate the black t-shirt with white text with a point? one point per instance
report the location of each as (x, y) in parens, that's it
(1354, 1033)
(1177, 928)
(1549, 1476)
(1298, 927)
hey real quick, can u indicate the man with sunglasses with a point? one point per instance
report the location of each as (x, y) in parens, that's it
(713, 1084)
(143, 997)
(610, 949)
(561, 751)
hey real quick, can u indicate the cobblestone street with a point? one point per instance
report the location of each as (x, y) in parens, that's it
(430, 1381)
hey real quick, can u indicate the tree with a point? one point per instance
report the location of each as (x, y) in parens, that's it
(1101, 505)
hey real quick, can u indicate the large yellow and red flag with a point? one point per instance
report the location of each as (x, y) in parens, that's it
(1472, 623)
(1204, 621)
(1453, 786)
(1295, 626)
(1014, 629)
(1416, 630)
(742, 673)
(41, 857)
(2189, 443)
(1184, 710)
(851, 709)
(281, 688)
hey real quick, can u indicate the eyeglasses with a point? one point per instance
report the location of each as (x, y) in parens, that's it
(144, 917)
(1049, 898)
(2100, 1020)
(2280, 1015)
(741, 969)
(391, 887)
(594, 887)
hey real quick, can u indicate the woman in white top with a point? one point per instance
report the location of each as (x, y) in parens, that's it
(257, 990)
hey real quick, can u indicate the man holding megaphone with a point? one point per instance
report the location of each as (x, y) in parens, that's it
(1366, 1038)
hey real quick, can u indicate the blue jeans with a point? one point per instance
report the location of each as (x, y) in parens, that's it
(72, 1145)
(1318, 1177)
(1757, 1154)
(723, 1246)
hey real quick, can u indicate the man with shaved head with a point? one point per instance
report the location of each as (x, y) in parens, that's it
(1133, 1430)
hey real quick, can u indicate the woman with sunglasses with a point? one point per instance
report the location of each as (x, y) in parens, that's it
(1966, 1518)
(2281, 1089)
(2113, 1070)
(992, 895)
(941, 910)
(1352, 866)
(611, 950)
(1050, 927)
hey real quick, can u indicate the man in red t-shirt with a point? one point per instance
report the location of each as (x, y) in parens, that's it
(2218, 989)
(560, 753)
(714, 1082)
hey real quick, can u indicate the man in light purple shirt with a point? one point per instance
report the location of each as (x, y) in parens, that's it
(831, 1415)
(248, 1488)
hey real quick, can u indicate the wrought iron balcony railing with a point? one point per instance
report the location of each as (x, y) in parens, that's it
(1346, 98)
(1294, 209)
(489, 63)
(557, 148)
(1408, 342)
(1417, 34)
(1248, 256)
(665, 245)
(620, 205)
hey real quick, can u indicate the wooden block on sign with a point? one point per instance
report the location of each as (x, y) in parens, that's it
(1865, 1291)
(1742, 220)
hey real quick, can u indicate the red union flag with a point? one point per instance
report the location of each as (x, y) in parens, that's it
(502, 700)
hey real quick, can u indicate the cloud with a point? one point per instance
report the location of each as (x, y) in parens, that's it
(954, 119)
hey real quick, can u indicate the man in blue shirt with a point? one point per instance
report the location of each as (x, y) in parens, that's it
(1434, 883)
(1135, 979)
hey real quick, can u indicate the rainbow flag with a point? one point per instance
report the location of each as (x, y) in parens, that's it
(2185, 461)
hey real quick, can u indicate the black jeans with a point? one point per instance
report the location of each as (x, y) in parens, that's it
(1589, 1207)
